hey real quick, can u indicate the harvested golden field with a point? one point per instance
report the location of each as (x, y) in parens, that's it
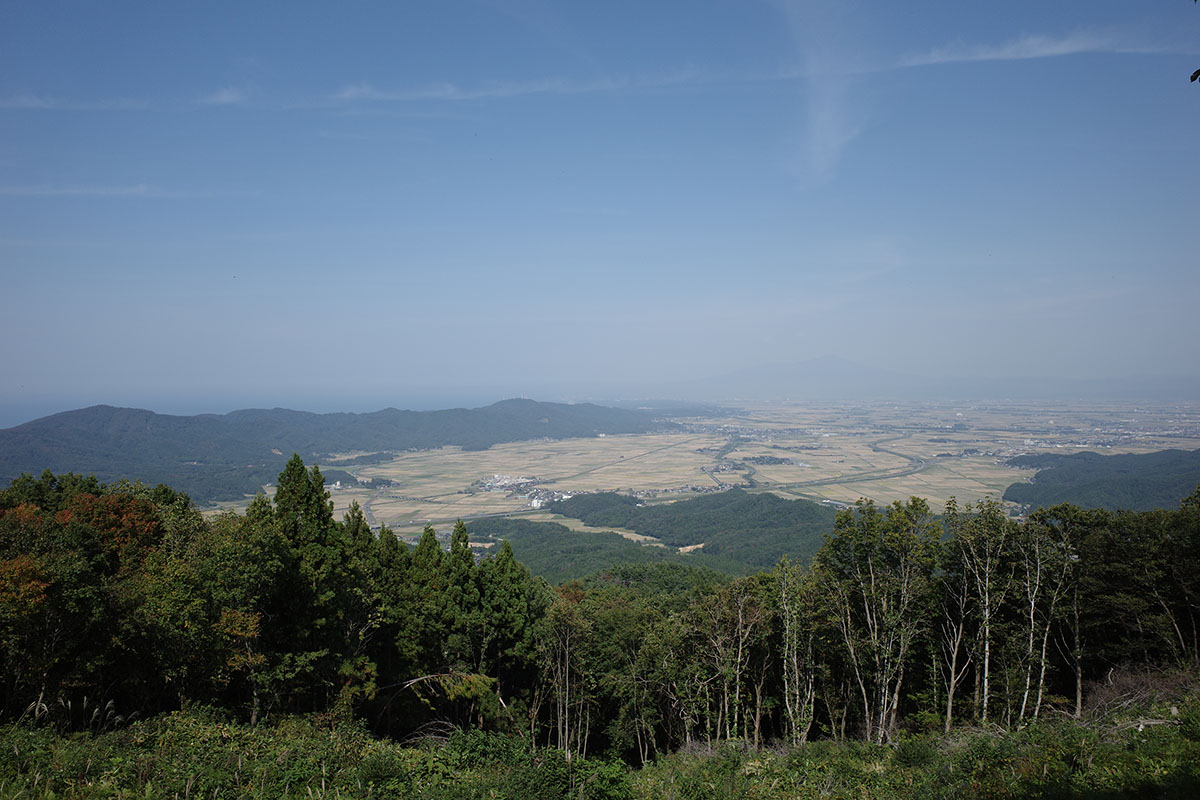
(833, 452)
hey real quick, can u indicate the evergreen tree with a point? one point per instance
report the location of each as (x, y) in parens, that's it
(463, 620)
(427, 579)
(511, 601)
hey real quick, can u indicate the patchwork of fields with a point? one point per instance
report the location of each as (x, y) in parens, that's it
(835, 453)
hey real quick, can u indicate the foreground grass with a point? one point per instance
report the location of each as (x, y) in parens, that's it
(186, 755)
(189, 755)
(1051, 761)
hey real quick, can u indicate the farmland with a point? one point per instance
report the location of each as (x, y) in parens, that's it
(830, 452)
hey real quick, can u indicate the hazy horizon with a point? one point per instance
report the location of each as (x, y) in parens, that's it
(347, 208)
(826, 379)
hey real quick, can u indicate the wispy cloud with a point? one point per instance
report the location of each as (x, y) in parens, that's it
(1028, 46)
(31, 101)
(827, 40)
(227, 96)
(834, 121)
(136, 190)
(499, 90)
(27, 101)
(836, 116)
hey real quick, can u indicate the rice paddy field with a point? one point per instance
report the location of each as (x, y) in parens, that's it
(836, 453)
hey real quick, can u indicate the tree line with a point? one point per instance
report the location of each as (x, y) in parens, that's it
(121, 600)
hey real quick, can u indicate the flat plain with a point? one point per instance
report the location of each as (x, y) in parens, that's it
(828, 452)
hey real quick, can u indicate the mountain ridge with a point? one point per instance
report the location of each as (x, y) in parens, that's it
(223, 456)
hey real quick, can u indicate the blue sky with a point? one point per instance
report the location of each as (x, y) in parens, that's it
(345, 206)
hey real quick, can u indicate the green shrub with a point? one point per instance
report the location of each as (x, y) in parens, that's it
(597, 779)
(1189, 718)
(185, 755)
(914, 751)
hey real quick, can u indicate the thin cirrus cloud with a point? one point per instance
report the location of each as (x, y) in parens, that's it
(499, 90)
(135, 190)
(38, 102)
(227, 96)
(1026, 47)
(32, 101)
(833, 53)
(365, 92)
(835, 119)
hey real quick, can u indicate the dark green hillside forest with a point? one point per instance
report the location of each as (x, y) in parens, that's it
(1138, 481)
(149, 651)
(735, 525)
(557, 553)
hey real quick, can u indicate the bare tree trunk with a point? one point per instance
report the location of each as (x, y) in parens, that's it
(758, 704)
(975, 693)
(953, 634)
(1037, 708)
(952, 680)
(798, 667)
(895, 709)
(1078, 656)
(1032, 590)
(987, 662)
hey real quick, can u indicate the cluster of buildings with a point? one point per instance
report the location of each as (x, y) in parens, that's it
(724, 466)
(540, 497)
(688, 489)
(512, 485)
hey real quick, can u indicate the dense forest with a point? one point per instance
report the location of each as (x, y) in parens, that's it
(556, 553)
(282, 652)
(228, 456)
(735, 525)
(1137, 481)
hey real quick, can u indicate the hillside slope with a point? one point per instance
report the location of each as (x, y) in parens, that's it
(214, 456)
(1133, 481)
(753, 529)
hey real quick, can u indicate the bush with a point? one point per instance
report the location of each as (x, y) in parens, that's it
(1189, 718)
(603, 780)
(199, 755)
(915, 751)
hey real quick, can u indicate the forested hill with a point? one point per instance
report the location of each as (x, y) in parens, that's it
(1132, 481)
(555, 552)
(212, 456)
(754, 529)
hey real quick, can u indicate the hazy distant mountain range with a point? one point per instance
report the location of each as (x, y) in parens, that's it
(213, 456)
(833, 378)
